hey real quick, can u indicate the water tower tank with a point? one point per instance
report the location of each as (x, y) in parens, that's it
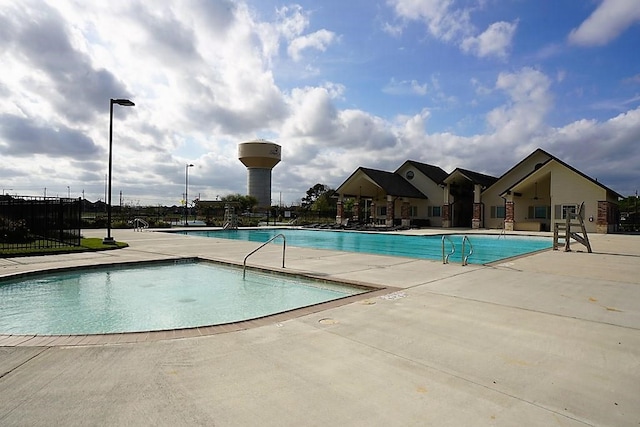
(259, 157)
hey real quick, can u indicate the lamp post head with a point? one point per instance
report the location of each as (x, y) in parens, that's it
(189, 165)
(125, 102)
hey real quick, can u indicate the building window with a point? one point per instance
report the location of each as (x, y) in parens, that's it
(433, 211)
(539, 212)
(414, 211)
(382, 211)
(568, 209)
(498, 212)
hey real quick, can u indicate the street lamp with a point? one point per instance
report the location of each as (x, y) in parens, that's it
(9, 189)
(186, 191)
(124, 102)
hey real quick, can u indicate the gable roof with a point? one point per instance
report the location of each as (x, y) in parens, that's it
(566, 165)
(434, 173)
(474, 177)
(392, 183)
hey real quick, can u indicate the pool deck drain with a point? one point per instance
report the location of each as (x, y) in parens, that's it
(547, 339)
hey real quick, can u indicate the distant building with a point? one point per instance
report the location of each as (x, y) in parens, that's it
(531, 196)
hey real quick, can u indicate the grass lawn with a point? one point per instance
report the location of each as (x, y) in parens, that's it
(86, 245)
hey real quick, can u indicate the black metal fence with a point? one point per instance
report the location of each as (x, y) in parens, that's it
(39, 222)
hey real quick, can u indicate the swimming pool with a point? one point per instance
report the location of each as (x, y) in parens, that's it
(486, 248)
(152, 297)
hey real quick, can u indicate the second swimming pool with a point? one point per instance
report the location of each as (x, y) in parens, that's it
(486, 248)
(155, 297)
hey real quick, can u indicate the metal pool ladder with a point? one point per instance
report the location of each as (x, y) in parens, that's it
(284, 248)
(466, 258)
(445, 259)
(465, 241)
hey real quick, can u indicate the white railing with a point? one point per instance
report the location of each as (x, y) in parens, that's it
(139, 224)
(284, 248)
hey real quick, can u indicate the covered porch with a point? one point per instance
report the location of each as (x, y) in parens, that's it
(463, 205)
(528, 204)
(377, 198)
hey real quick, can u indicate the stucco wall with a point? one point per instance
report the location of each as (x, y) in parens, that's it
(568, 187)
(433, 191)
(491, 196)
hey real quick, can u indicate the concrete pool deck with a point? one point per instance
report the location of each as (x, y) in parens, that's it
(547, 339)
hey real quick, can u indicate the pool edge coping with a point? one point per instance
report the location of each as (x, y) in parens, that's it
(81, 340)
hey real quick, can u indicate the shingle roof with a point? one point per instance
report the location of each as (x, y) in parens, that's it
(393, 184)
(552, 157)
(434, 173)
(477, 177)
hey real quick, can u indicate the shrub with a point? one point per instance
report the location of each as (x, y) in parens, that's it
(13, 231)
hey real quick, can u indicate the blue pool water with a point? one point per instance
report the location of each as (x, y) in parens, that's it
(486, 248)
(152, 297)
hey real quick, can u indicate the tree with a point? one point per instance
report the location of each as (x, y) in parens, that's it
(247, 203)
(319, 198)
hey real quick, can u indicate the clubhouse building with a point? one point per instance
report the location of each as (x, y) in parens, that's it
(531, 196)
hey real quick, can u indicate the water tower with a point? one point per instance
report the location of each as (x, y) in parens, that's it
(259, 157)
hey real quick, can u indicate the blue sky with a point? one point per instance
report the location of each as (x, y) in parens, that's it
(477, 84)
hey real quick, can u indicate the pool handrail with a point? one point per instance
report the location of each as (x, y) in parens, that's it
(445, 259)
(139, 224)
(465, 259)
(284, 247)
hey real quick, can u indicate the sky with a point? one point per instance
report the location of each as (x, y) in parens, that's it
(475, 84)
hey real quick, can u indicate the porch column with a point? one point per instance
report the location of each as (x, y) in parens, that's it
(476, 222)
(405, 212)
(355, 213)
(389, 218)
(446, 208)
(606, 217)
(339, 210)
(509, 215)
(372, 217)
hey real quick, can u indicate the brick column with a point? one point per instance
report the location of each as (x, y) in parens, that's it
(405, 212)
(446, 216)
(355, 213)
(509, 215)
(373, 211)
(339, 211)
(390, 205)
(477, 215)
(606, 220)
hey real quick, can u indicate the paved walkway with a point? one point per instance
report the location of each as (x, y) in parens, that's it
(547, 339)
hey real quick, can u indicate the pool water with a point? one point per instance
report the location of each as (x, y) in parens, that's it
(486, 248)
(152, 297)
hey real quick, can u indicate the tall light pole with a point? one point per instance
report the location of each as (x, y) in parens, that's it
(186, 191)
(124, 102)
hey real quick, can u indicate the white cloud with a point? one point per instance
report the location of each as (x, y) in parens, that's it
(454, 25)
(203, 79)
(292, 21)
(442, 20)
(606, 23)
(318, 40)
(529, 102)
(405, 87)
(495, 41)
